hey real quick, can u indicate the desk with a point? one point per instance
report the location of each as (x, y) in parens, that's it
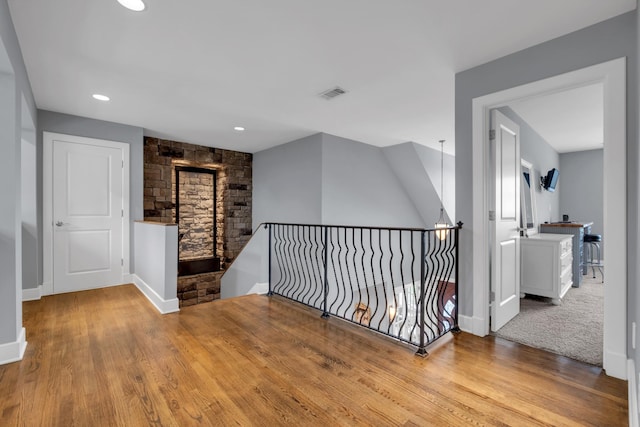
(578, 230)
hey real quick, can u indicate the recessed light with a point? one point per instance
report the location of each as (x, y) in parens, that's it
(238, 128)
(135, 5)
(100, 97)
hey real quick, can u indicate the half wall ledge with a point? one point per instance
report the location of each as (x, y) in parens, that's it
(156, 253)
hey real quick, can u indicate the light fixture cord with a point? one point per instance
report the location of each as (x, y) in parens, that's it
(442, 181)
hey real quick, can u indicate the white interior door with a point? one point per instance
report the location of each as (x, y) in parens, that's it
(505, 247)
(87, 216)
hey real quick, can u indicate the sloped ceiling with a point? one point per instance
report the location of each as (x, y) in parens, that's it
(571, 120)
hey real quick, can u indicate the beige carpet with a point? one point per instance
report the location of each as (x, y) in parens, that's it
(573, 329)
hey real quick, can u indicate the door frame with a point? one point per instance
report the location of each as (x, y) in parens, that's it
(612, 75)
(47, 201)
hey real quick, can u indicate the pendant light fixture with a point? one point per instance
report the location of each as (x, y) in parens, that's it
(442, 223)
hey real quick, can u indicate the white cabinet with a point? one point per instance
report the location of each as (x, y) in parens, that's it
(546, 265)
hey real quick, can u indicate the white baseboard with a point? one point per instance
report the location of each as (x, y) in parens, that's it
(615, 364)
(47, 288)
(465, 323)
(163, 306)
(259, 288)
(633, 394)
(33, 294)
(13, 351)
(473, 325)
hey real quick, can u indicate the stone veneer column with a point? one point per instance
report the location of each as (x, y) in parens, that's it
(233, 204)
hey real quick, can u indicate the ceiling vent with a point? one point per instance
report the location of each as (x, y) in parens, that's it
(332, 93)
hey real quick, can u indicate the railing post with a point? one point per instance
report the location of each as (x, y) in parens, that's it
(456, 328)
(325, 312)
(422, 351)
(268, 226)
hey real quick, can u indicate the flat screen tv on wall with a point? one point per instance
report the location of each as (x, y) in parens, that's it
(551, 180)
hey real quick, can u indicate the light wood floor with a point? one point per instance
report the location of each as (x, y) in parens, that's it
(106, 357)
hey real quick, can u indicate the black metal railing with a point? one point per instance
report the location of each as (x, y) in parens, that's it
(397, 281)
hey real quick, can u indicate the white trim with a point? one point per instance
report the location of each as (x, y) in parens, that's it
(47, 201)
(45, 288)
(259, 288)
(47, 214)
(632, 395)
(473, 325)
(163, 306)
(33, 294)
(126, 223)
(126, 219)
(612, 75)
(480, 170)
(615, 364)
(13, 351)
(465, 323)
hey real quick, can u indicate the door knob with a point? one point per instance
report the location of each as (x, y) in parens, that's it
(59, 223)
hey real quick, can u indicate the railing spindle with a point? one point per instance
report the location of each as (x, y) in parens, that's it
(373, 284)
(269, 257)
(422, 351)
(325, 313)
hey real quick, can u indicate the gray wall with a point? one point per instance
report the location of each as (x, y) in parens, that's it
(49, 121)
(418, 170)
(10, 227)
(581, 195)
(15, 89)
(537, 151)
(287, 183)
(12, 47)
(599, 43)
(430, 160)
(359, 187)
(30, 203)
(325, 179)
(158, 259)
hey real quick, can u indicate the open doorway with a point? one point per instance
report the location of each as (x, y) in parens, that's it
(612, 75)
(561, 309)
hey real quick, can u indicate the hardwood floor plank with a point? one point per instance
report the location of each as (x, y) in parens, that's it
(107, 358)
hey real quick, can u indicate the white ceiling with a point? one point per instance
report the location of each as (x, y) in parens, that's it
(572, 120)
(192, 70)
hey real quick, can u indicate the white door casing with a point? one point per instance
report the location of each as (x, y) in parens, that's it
(505, 245)
(86, 218)
(613, 76)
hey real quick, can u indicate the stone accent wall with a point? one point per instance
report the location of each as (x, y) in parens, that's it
(233, 190)
(199, 288)
(196, 215)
